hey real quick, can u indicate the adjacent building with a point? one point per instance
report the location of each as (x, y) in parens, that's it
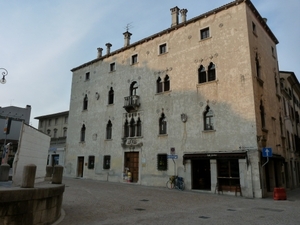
(199, 100)
(11, 119)
(56, 126)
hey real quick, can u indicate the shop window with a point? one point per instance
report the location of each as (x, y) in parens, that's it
(106, 162)
(162, 162)
(91, 162)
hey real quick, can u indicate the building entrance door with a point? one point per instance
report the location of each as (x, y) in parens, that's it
(131, 162)
(201, 178)
(80, 162)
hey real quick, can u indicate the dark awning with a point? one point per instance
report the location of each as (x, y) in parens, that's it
(215, 155)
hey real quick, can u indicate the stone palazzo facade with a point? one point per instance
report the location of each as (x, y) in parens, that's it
(199, 100)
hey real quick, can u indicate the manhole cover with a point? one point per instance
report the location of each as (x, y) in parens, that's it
(203, 217)
(139, 209)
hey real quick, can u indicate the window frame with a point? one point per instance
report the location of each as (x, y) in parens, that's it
(163, 124)
(109, 130)
(112, 67)
(82, 133)
(134, 59)
(87, 76)
(205, 33)
(111, 94)
(208, 119)
(106, 162)
(85, 103)
(162, 49)
(91, 162)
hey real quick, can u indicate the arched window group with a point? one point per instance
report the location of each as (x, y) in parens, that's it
(163, 85)
(207, 75)
(133, 128)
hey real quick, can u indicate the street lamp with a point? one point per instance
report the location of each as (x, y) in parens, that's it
(4, 74)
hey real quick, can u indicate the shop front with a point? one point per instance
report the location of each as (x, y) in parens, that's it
(215, 171)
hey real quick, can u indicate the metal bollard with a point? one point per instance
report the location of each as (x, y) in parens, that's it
(57, 174)
(28, 177)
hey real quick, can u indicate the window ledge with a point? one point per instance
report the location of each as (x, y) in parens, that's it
(108, 139)
(208, 82)
(133, 64)
(109, 105)
(162, 53)
(84, 110)
(164, 92)
(264, 130)
(162, 135)
(112, 71)
(208, 131)
(204, 39)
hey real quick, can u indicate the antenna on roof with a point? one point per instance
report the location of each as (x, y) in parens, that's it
(128, 26)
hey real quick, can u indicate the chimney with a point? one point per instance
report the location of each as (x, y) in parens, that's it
(100, 52)
(108, 45)
(127, 38)
(265, 19)
(183, 15)
(174, 13)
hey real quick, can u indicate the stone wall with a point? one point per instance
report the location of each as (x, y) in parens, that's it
(39, 205)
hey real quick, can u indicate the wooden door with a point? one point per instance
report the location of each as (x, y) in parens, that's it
(132, 163)
(80, 166)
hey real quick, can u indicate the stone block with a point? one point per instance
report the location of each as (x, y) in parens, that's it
(4, 172)
(28, 176)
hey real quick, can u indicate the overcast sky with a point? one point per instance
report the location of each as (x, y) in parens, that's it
(41, 41)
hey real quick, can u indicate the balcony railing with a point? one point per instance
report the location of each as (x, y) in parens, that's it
(131, 103)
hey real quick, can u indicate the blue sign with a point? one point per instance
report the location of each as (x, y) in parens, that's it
(267, 152)
(172, 156)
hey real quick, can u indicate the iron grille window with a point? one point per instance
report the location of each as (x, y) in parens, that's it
(106, 162)
(91, 162)
(204, 33)
(162, 162)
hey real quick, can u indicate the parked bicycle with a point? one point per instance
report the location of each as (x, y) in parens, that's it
(175, 182)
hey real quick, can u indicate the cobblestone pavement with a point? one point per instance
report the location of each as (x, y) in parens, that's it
(95, 202)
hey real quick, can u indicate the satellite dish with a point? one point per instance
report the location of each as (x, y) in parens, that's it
(3, 81)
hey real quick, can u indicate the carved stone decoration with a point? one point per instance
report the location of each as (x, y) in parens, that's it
(131, 142)
(183, 117)
(94, 137)
(196, 60)
(97, 96)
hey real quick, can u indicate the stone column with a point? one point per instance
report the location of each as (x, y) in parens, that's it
(213, 174)
(28, 176)
(57, 174)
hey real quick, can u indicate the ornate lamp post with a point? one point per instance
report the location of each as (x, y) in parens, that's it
(4, 74)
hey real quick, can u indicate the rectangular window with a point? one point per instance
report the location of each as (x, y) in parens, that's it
(91, 162)
(162, 162)
(254, 28)
(87, 76)
(162, 48)
(134, 59)
(112, 67)
(106, 162)
(204, 33)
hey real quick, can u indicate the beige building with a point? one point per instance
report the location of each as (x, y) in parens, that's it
(56, 126)
(290, 92)
(197, 100)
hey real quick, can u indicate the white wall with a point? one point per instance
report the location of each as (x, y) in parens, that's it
(33, 149)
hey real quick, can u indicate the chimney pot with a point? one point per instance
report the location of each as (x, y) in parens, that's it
(127, 36)
(183, 15)
(108, 45)
(100, 52)
(174, 13)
